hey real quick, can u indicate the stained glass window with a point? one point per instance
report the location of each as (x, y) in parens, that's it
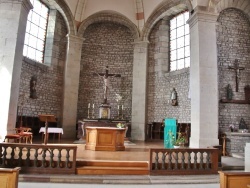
(179, 42)
(36, 31)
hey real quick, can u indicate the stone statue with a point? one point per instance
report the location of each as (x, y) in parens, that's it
(173, 97)
(242, 124)
(33, 82)
(229, 92)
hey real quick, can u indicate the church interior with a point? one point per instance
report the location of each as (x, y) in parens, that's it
(115, 71)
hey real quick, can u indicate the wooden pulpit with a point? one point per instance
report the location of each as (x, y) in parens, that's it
(46, 118)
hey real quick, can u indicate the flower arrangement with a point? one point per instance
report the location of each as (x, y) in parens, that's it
(120, 125)
(180, 141)
(176, 142)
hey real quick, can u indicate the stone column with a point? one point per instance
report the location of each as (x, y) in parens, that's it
(203, 79)
(13, 18)
(247, 157)
(139, 90)
(162, 44)
(71, 85)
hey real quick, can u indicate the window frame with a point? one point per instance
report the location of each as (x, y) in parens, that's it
(184, 47)
(28, 34)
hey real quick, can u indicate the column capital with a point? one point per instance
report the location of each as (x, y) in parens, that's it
(141, 43)
(25, 3)
(75, 38)
(201, 15)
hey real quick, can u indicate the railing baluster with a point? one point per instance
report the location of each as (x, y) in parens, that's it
(67, 159)
(12, 154)
(201, 160)
(189, 161)
(156, 160)
(35, 159)
(163, 161)
(208, 160)
(4, 157)
(28, 157)
(51, 158)
(182, 160)
(176, 160)
(59, 158)
(170, 160)
(195, 160)
(43, 158)
(20, 156)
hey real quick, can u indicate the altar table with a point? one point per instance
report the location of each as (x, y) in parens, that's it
(54, 130)
(105, 139)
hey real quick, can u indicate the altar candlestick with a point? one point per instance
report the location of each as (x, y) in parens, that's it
(122, 107)
(93, 111)
(88, 109)
(118, 107)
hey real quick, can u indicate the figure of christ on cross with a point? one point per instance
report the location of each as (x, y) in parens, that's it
(237, 70)
(105, 76)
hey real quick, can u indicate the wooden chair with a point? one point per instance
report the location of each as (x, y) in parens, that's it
(25, 134)
(15, 137)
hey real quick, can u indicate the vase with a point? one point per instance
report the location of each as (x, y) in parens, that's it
(176, 147)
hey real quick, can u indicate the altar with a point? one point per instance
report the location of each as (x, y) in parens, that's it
(236, 142)
(82, 124)
(105, 139)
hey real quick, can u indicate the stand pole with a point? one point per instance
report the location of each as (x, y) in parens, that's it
(46, 132)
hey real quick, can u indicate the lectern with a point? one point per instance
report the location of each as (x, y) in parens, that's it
(46, 118)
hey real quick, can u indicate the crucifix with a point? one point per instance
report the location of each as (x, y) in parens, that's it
(105, 76)
(237, 70)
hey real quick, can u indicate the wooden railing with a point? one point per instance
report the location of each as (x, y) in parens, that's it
(37, 158)
(183, 161)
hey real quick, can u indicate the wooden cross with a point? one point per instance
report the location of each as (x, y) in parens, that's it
(105, 76)
(237, 70)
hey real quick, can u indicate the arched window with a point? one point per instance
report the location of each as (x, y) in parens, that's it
(179, 42)
(36, 31)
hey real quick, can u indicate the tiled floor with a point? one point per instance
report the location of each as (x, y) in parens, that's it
(32, 185)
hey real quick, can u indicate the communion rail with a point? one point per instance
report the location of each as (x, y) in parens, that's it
(37, 158)
(183, 161)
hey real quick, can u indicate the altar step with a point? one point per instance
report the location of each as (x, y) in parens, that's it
(112, 167)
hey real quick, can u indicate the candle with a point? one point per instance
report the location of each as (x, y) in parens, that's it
(118, 107)
(122, 107)
(93, 105)
(89, 105)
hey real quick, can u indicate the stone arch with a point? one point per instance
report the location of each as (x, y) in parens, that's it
(108, 16)
(169, 8)
(243, 5)
(63, 8)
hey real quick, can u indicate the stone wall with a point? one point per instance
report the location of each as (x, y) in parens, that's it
(161, 83)
(106, 44)
(233, 43)
(49, 79)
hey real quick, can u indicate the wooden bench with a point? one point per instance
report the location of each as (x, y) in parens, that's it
(9, 177)
(233, 179)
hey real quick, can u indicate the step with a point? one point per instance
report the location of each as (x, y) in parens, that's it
(105, 167)
(106, 163)
(105, 170)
